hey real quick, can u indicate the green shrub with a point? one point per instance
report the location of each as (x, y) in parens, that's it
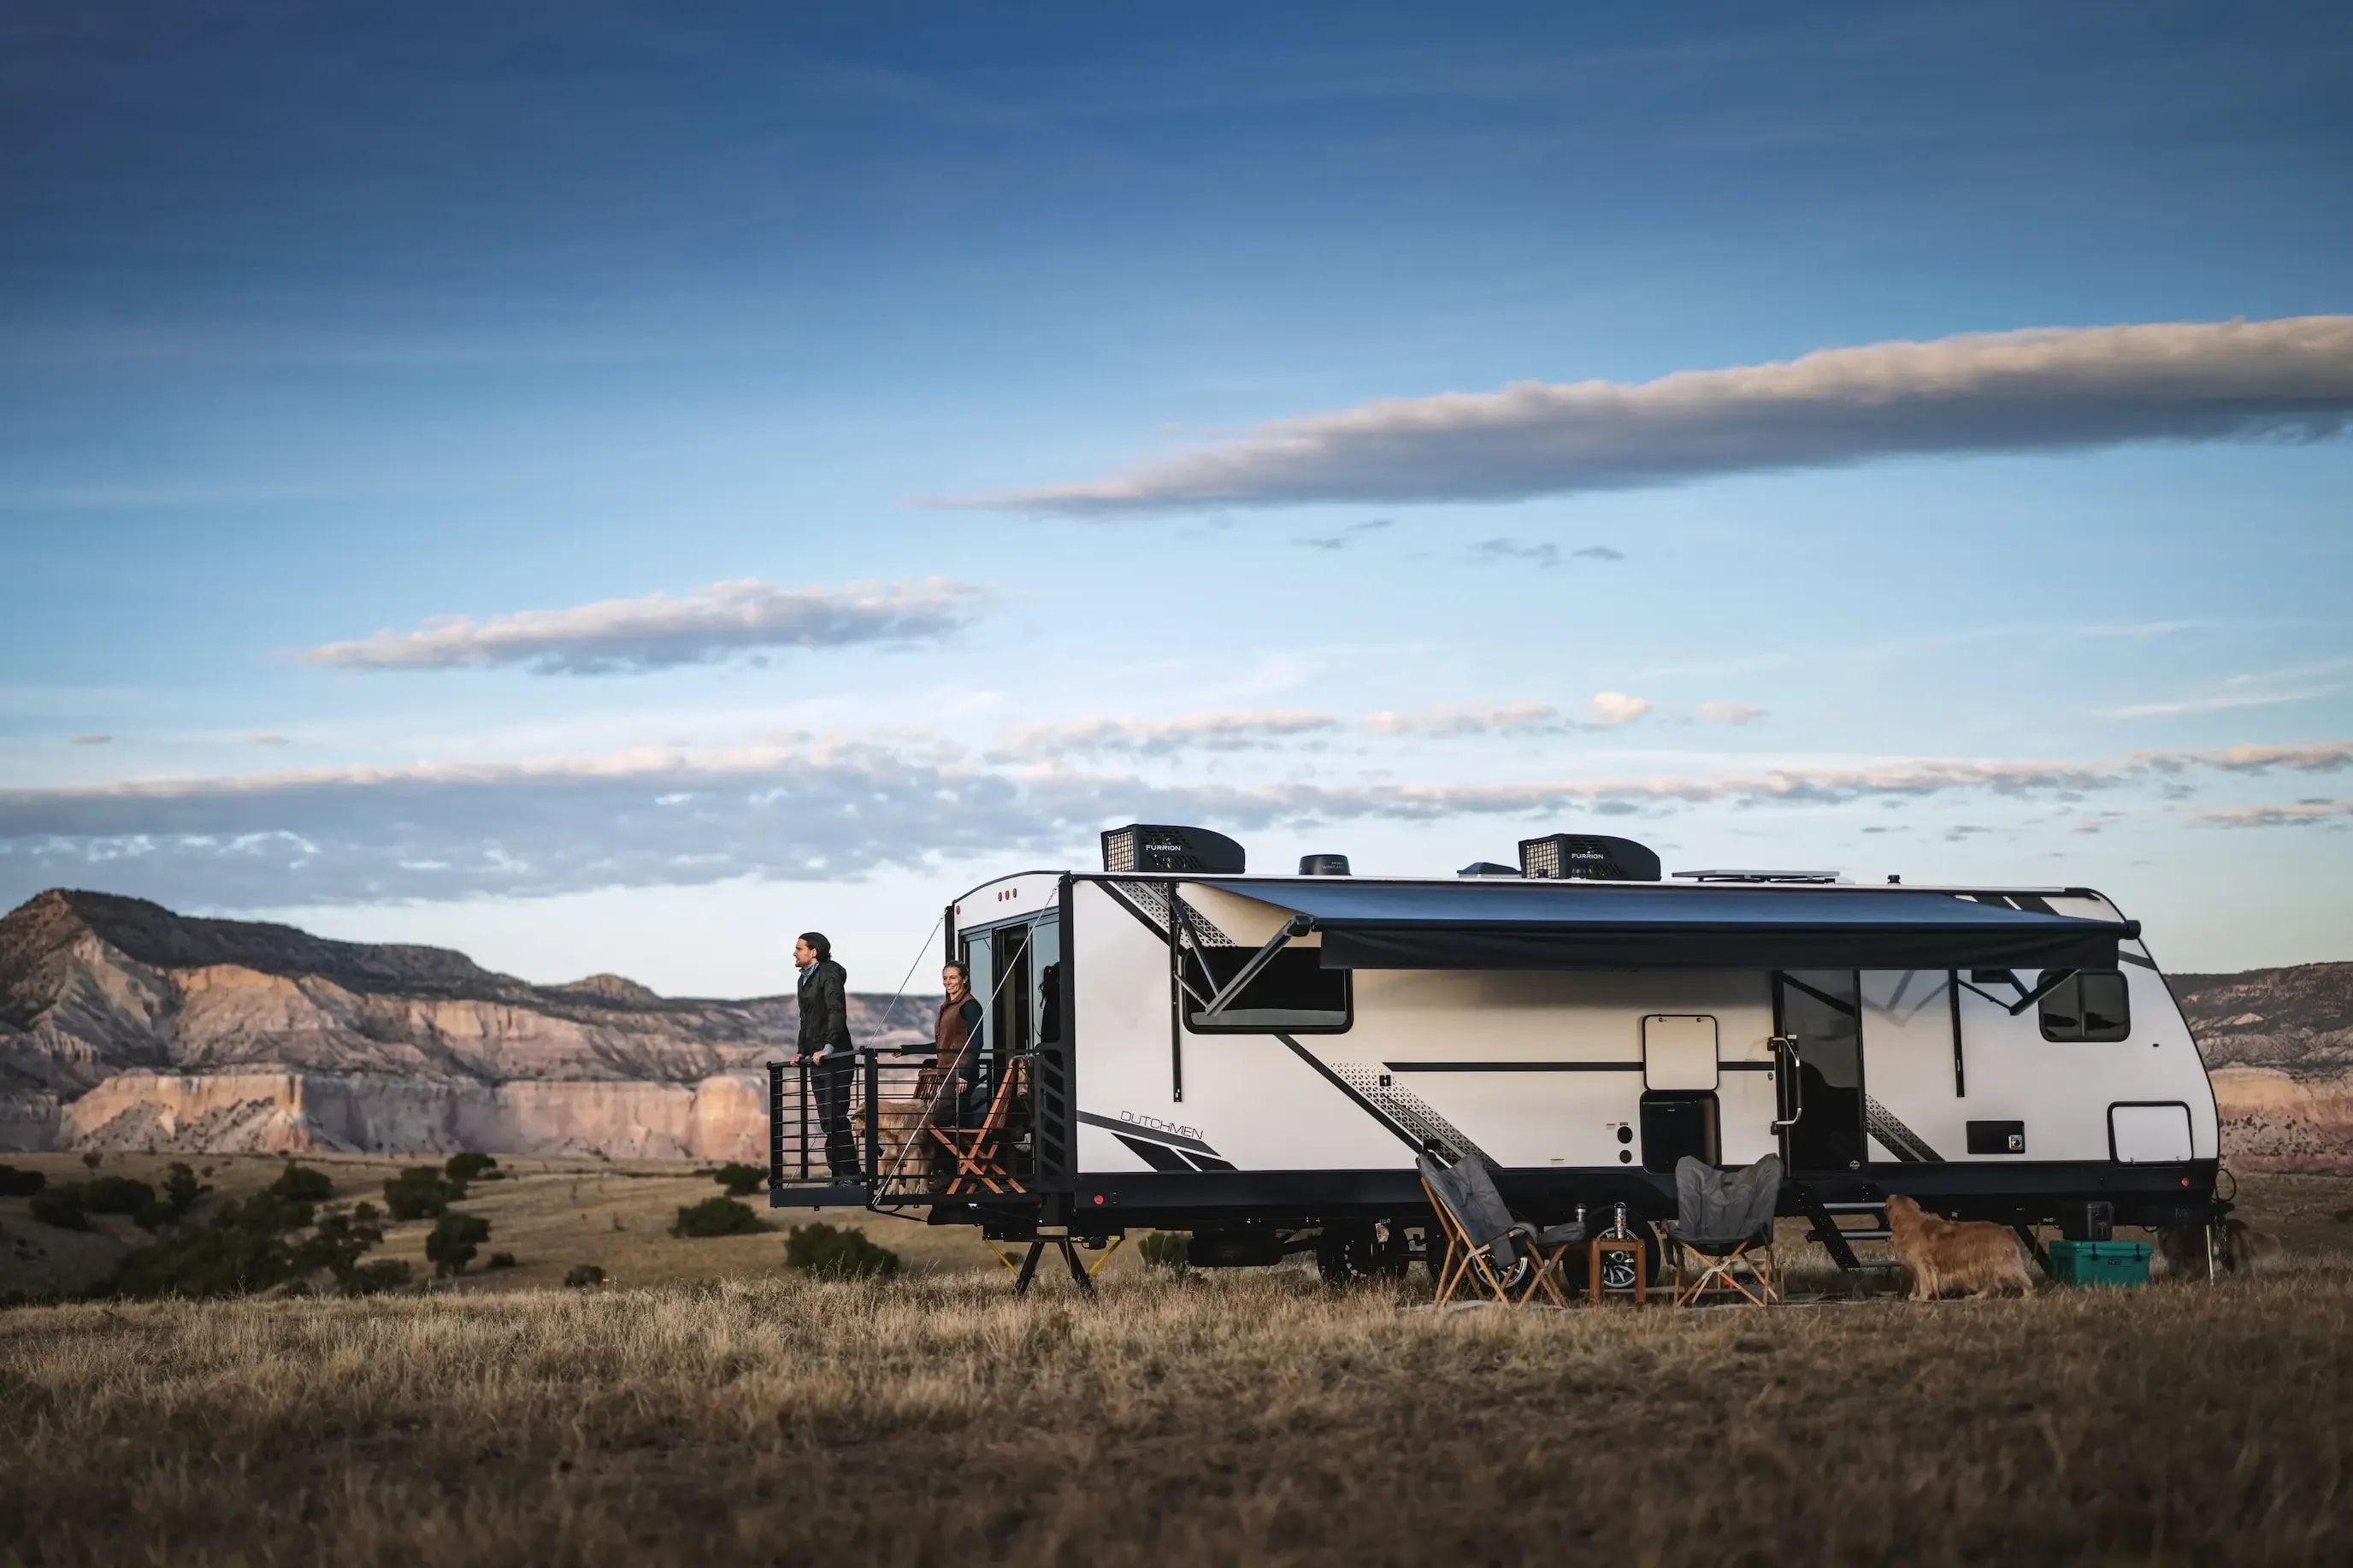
(301, 1185)
(1165, 1249)
(469, 1167)
(16, 1184)
(60, 1207)
(451, 1243)
(419, 1193)
(500, 1261)
(740, 1179)
(115, 1195)
(581, 1275)
(836, 1254)
(717, 1216)
(154, 1215)
(337, 1245)
(181, 1188)
(375, 1279)
(218, 1260)
(264, 1215)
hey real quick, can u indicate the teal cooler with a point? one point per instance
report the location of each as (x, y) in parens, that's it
(2116, 1263)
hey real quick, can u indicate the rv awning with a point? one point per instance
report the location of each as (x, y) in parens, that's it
(1584, 925)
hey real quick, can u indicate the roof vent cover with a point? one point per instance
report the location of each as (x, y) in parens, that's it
(1587, 858)
(1143, 847)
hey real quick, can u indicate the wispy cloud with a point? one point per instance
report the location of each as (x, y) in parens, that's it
(1547, 555)
(836, 809)
(619, 635)
(1598, 552)
(1222, 731)
(93, 739)
(2039, 389)
(1606, 711)
(2305, 814)
(2266, 689)
(1346, 536)
(1730, 712)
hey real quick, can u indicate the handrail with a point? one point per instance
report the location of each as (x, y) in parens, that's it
(1786, 1046)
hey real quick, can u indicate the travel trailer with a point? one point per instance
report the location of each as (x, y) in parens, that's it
(1174, 1043)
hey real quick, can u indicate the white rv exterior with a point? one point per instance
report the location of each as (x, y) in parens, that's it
(1308, 1106)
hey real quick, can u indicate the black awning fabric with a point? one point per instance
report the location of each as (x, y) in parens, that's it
(1587, 925)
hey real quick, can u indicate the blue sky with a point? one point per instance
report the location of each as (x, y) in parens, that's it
(1004, 360)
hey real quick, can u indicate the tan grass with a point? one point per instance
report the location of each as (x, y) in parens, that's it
(1247, 1418)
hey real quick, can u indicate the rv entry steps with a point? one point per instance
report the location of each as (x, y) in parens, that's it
(1838, 1240)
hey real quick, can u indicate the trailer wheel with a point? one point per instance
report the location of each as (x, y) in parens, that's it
(1350, 1250)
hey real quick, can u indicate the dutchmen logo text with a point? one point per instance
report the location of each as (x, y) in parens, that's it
(1159, 1126)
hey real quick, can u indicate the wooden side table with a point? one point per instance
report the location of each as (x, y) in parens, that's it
(1600, 1245)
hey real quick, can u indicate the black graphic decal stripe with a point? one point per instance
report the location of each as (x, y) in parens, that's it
(1146, 1130)
(1342, 1085)
(1158, 1156)
(1513, 1066)
(1906, 1146)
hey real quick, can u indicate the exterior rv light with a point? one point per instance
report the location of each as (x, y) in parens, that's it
(1587, 858)
(1322, 865)
(1141, 846)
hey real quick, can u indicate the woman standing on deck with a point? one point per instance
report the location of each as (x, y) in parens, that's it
(955, 1040)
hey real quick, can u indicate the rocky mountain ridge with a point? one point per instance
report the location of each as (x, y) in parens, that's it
(122, 1023)
(2278, 1044)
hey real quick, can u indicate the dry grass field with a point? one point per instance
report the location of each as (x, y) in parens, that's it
(1250, 1418)
(1247, 1418)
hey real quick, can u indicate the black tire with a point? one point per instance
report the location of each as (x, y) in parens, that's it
(1349, 1250)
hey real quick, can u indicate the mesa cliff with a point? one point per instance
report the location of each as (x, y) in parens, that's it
(123, 1025)
(2279, 1044)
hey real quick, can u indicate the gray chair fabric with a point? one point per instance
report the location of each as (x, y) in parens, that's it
(1725, 1207)
(1459, 1201)
(1469, 1190)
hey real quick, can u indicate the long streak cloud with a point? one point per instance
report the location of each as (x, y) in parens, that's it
(616, 635)
(2035, 390)
(834, 810)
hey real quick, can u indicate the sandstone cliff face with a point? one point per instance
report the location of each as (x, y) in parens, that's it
(123, 1025)
(2280, 1042)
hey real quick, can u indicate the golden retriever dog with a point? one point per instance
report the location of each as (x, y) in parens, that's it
(2180, 1251)
(1974, 1255)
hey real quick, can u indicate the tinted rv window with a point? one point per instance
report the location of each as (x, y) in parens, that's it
(1294, 992)
(2090, 1006)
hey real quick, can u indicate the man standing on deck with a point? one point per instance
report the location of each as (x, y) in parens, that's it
(825, 1051)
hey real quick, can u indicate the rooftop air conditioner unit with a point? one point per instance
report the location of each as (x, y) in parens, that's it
(1587, 858)
(1142, 847)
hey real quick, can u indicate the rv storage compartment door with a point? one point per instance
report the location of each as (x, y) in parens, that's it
(2149, 1134)
(1679, 1051)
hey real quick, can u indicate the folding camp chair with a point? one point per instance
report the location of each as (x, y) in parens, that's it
(980, 1151)
(1724, 1228)
(1482, 1239)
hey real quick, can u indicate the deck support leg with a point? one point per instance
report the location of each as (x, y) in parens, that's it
(1038, 1245)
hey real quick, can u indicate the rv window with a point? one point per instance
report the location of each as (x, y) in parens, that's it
(1293, 992)
(2089, 1006)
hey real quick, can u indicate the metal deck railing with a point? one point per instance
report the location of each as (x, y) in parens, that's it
(909, 1141)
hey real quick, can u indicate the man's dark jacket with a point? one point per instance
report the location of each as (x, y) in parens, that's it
(825, 1008)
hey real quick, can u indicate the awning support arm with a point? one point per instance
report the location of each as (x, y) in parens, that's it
(1297, 925)
(2051, 981)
